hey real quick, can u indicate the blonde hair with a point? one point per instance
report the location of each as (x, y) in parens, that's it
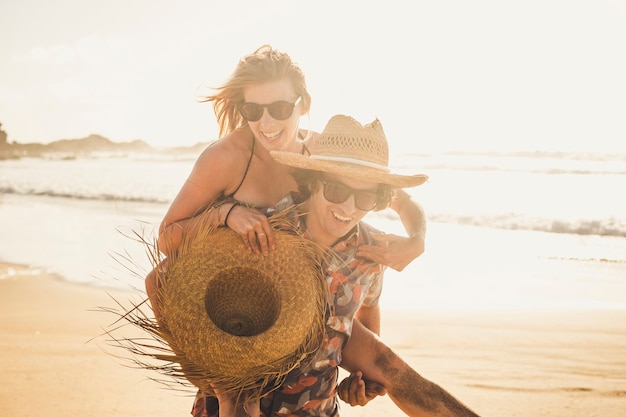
(266, 64)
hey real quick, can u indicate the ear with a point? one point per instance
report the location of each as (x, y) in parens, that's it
(304, 105)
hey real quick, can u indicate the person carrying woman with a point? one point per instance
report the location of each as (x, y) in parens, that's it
(343, 179)
(258, 110)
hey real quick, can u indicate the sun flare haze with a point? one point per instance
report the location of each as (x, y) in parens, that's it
(448, 75)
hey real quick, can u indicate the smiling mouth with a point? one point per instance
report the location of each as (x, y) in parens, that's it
(341, 218)
(271, 135)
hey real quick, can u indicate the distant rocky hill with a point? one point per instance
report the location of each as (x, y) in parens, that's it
(80, 147)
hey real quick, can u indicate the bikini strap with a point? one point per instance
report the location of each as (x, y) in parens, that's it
(247, 168)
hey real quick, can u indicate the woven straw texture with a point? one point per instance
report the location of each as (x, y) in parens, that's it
(347, 148)
(339, 140)
(239, 320)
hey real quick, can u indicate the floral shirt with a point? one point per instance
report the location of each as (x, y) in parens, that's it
(311, 390)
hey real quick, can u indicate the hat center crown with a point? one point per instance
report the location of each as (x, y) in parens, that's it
(346, 139)
(242, 307)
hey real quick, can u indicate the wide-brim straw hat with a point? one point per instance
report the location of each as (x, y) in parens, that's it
(239, 320)
(347, 148)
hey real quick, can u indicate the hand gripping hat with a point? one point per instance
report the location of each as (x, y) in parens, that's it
(347, 148)
(240, 320)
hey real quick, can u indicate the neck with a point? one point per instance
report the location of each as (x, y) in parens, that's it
(317, 235)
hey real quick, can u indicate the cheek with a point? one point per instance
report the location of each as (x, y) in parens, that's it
(319, 205)
(293, 122)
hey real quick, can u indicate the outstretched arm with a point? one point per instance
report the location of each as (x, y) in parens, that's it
(412, 393)
(398, 251)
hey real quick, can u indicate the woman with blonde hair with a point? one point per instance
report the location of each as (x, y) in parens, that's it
(258, 110)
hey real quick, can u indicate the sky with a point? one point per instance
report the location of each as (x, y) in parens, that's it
(441, 75)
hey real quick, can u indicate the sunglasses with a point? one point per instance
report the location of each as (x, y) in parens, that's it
(279, 110)
(336, 192)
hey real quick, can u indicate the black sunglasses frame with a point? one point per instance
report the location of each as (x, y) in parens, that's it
(351, 192)
(275, 110)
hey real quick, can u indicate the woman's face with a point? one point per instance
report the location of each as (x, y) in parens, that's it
(272, 133)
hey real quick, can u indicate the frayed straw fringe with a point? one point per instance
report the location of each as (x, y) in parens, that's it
(162, 351)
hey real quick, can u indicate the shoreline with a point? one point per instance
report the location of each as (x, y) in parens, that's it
(511, 363)
(463, 268)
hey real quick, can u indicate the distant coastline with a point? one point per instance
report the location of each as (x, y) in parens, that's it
(72, 148)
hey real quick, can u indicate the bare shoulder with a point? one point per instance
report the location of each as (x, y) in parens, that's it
(227, 150)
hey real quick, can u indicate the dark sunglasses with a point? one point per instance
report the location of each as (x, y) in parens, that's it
(279, 110)
(336, 192)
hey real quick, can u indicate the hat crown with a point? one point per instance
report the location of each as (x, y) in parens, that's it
(349, 149)
(345, 139)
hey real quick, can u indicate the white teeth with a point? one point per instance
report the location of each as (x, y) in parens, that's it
(341, 218)
(272, 135)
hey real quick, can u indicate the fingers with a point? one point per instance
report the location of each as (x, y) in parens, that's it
(255, 230)
(261, 237)
(374, 254)
(252, 407)
(233, 406)
(352, 390)
(374, 389)
(396, 252)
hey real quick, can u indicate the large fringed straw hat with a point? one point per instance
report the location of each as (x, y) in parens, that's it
(239, 320)
(347, 148)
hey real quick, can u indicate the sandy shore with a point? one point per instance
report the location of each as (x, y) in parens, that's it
(509, 363)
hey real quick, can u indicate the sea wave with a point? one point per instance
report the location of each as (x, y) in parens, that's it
(459, 193)
(86, 196)
(523, 162)
(610, 226)
(584, 227)
(552, 163)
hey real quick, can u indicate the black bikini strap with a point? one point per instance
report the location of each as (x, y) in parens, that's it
(247, 168)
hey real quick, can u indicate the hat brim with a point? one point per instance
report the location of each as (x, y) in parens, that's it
(350, 170)
(195, 278)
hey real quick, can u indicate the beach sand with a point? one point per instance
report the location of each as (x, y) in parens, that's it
(499, 363)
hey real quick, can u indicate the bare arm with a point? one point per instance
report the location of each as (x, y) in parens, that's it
(397, 251)
(218, 171)
(412, 393)
(369, 316)
(412, 216)
(208, 179)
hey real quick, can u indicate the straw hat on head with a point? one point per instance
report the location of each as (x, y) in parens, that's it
(347, 148)
(238, 320)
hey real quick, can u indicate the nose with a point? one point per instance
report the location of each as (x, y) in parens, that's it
(266, 118)
(349, 206)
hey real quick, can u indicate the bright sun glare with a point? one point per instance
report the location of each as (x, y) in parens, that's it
(456, 75)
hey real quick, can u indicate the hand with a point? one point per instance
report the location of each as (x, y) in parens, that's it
(255, 230)
(233, 405)
(393, 251)
(354, 390)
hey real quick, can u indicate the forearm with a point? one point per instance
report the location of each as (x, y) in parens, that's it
(171, 233)
(413, 394)
(411, 214)
(369, 316)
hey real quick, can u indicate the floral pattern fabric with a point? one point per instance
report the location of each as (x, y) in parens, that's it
(311, 390)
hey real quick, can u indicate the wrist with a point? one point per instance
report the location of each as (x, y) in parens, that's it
(228, 212)
(401, 202)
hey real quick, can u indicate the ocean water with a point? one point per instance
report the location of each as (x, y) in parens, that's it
(504, 230)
